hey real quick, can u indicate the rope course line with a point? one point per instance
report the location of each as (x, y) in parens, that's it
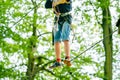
(92, 46)
(94, 43)
(72, 73)
(26, 14)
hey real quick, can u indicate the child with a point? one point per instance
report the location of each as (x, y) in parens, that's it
(62, 21)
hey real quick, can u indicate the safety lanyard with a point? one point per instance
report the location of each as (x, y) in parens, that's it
(57, 16)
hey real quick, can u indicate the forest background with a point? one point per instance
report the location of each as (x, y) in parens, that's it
(26, 49)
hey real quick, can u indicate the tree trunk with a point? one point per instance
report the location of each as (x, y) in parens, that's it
(107, 35)
(31, 59)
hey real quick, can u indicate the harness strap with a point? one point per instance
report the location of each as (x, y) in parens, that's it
(65, 14)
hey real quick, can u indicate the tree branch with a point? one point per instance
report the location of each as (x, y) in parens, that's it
(44, 34)
(95, 12)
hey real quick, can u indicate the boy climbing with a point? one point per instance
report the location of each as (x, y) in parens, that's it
(61, 31)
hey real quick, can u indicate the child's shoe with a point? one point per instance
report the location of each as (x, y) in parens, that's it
(56, 64)
(68, 63)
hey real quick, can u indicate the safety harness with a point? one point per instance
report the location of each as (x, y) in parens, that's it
(58, 15)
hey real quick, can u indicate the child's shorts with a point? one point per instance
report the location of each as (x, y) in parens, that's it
(63, 32)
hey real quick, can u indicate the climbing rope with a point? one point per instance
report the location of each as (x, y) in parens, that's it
(92, 46)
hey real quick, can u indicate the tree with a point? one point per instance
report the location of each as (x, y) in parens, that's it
(107, 30)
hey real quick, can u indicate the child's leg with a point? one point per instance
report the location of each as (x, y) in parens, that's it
(65, 38)
(67, 49)
(58, 51)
